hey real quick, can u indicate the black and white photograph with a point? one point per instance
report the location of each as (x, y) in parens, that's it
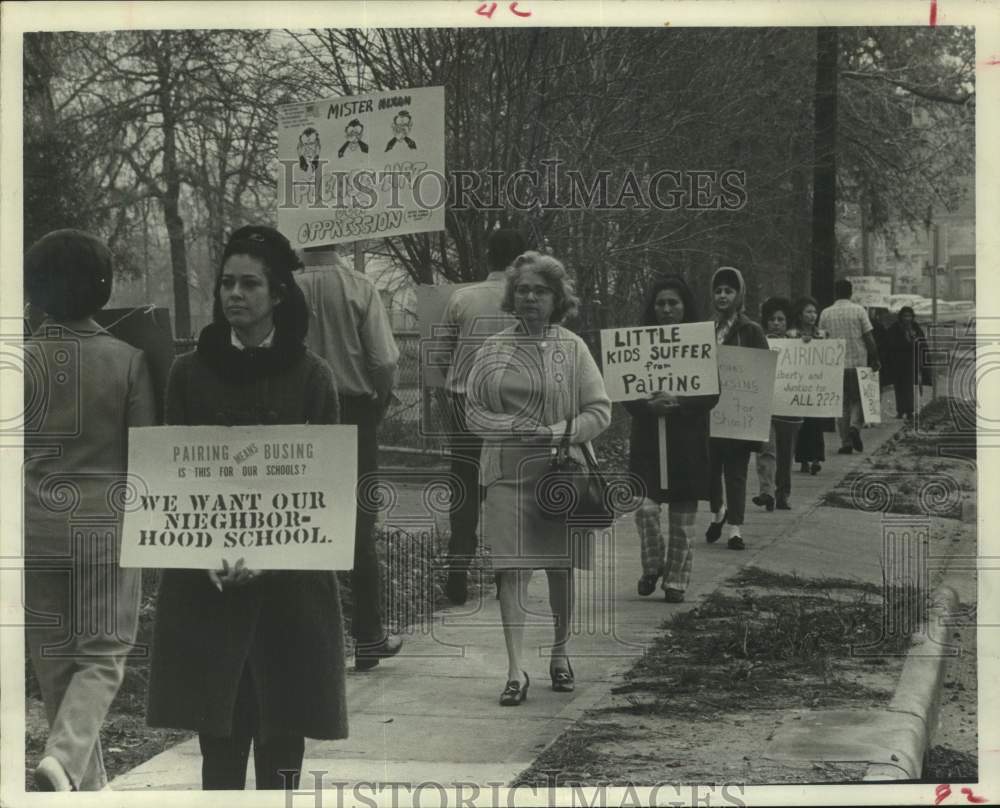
(499, 403)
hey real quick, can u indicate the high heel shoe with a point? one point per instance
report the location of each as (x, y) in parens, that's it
(515, 693)
(563, 680)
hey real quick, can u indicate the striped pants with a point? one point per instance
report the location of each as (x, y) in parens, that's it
(672, 558)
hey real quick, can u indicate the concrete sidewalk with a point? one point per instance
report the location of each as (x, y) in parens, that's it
(432, 714)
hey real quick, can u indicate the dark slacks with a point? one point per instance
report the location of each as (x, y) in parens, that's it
(810, 446)
(729, 460)
(466, 495)
(367, 624)
(277, 761)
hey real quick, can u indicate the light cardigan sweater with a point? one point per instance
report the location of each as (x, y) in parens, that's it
(570, 385)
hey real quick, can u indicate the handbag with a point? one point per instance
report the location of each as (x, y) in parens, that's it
(573, 490)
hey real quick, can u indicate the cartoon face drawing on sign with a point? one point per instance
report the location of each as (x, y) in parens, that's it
(353, 132)
(308, 150)
(401, 126)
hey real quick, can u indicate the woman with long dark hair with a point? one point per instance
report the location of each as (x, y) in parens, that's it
(669, 301)
(241, 655)
(907, 363)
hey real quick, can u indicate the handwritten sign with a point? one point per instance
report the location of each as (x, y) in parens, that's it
(361, 166)
(746, 376)
(676, 359)
(871, 395)
(871, 291)
(809, 379)
(279, 497)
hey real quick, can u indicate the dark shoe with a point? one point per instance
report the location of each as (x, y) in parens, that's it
(856, 440)
(368, 655)
(736, 543)
(714, 532)
(673, 595)
(782, 504)
(514, 693)
(815, 468)
(764, 501)
(845, 450)
(562, 678)
(647, 584)
(456, 587)
(804, 468)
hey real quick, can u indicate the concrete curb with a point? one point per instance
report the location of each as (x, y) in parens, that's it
(918, 694)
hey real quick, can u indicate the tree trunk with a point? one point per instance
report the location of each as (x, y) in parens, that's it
(824, 241)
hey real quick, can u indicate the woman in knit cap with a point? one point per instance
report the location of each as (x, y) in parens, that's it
(730, 457)
(242, 655)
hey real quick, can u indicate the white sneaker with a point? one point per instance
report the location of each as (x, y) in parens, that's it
(51, 776)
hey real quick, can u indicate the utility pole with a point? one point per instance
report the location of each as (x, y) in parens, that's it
(824, 218)
(932, 250)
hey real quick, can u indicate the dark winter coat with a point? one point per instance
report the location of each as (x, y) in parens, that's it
(902, 356)
(286, 626)
(687, 449)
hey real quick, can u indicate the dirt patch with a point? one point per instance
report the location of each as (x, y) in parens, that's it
(927, 468)
(710, 694)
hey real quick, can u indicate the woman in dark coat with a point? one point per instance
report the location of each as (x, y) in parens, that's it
(730, 458)
(903, 354)
(686, 417)
(810, 446)
(241, 655)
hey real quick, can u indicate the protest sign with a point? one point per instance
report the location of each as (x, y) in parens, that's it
(746, 376)
(871, 395)
(871, 291)
(361, 166)
(809, 379)
(279, 497)
(676, 359)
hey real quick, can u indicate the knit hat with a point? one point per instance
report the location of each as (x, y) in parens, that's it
(730, 276)
(291, 317)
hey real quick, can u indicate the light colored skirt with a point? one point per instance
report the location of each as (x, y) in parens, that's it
(512, 524)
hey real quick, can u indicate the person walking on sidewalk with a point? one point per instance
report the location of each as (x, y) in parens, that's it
(848, 321)
(774, 460)
(472, 314)
(730, 457)
(529, 386)
(906, 360)
(349, 328)
(239, 654)
(810, 448)
(669, 301)
(80, 627)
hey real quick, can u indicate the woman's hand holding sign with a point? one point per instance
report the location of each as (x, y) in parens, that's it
(237, 575)
(661, 403)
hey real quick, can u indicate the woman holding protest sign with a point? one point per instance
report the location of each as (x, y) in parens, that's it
(86, 389)
(241, 655)
(774, 460)
(905, 360)
(669, 301)
(810, 448)
(530, 385)
(730, 457)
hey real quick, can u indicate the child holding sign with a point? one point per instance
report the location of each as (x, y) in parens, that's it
(730, 457)
(774, 461)
(686, 418)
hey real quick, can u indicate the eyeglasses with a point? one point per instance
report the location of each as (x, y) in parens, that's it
(523, 290)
